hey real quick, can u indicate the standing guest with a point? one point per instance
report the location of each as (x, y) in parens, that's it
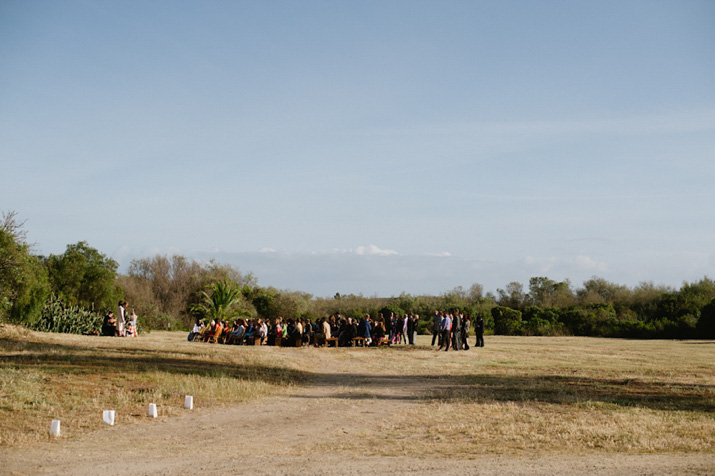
(465, 331)
(479, 331)
(389, 326)
(397, 330)
(416, 319)
(411, 329)
(405, 322)
(121, 318)
(457, 330)
(446, 332)
(436, 326)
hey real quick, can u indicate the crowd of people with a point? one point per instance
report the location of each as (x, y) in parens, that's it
(121, 324)
(449, 330)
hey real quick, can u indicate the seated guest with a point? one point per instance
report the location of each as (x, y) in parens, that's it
(250, 328)
(259, 331)
(109, 326)
(347, 332)
(209, 333)
(237, 334)
(365, 329)
(378, 334)
(295, 333)
(322, 333)
(308, 331)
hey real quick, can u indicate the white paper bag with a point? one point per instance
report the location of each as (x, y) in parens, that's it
(108, 417)
(152, 410)
(189, 402)
(55, 428)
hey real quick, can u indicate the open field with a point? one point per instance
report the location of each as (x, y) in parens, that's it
(519, 405)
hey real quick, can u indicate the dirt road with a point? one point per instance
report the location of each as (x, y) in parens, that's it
(302, 432)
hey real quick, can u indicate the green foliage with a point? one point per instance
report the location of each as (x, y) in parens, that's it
(706, 324)
(391, 308)
(221, 301)
(545, 292)
(512, 296)
(162, 289)
(166, 292)
(507, 321)
(84, 277)
(61, 316)
(23, 280)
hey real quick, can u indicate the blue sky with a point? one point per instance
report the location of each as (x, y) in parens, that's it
(367, 147)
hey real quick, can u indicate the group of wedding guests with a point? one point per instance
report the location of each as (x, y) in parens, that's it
(449, 329)
(121, 324)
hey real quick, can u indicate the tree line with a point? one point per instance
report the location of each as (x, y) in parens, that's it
(72, 291)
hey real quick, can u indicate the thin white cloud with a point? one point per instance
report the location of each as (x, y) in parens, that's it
(587, 263)
(373, 250)
(551, 263)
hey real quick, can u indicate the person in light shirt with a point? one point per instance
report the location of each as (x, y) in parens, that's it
(446, 332)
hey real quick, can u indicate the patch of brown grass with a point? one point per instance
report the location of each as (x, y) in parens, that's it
(73, 378)
(531, 395)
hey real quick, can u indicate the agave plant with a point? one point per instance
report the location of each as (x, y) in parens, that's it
(222, 301)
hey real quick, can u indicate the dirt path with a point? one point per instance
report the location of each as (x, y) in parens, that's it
(279, 434)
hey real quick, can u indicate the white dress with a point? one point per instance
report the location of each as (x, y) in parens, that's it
(121, 319)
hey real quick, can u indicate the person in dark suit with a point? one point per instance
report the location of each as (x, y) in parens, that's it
(479, 331)
(436, 327)
(411, 325)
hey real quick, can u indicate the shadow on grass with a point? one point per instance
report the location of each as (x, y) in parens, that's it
(553, 389)
(102, 361)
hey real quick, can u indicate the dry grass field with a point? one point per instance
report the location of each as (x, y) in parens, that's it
(524, 397)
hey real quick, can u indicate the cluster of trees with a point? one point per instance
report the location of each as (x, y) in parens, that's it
(32, 288)
(601, 308)
(65, 292)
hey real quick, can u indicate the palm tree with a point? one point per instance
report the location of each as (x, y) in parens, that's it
(223, 302)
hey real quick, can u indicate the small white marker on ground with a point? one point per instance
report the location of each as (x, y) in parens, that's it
(108, 417)
(55, 428)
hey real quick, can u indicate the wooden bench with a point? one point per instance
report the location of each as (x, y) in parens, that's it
(254, 341)
(334, 340)
(359, 342)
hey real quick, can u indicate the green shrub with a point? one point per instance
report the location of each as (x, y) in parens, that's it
(507, 321)
(60, 316)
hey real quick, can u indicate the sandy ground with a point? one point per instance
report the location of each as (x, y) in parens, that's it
(276, 436)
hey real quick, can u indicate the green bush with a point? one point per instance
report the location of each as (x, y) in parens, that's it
(507, 321)
(60, 316)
